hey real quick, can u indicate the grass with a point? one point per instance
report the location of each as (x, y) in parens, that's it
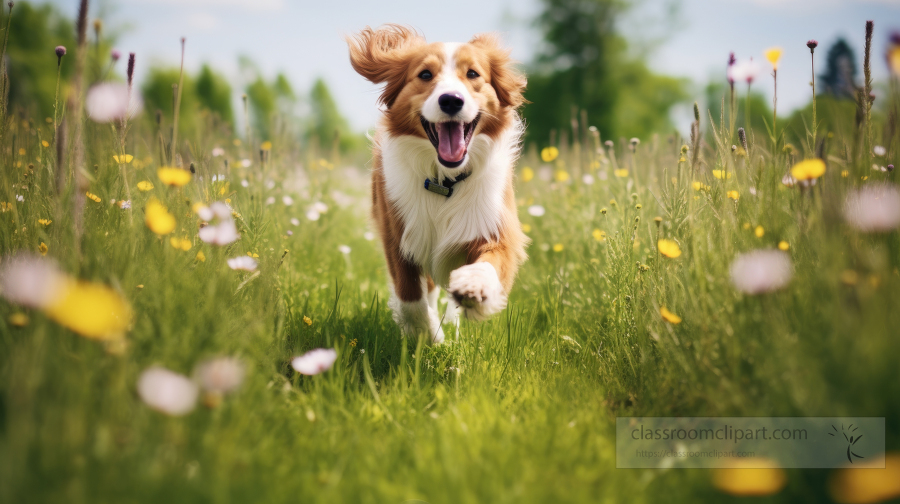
(518, 409)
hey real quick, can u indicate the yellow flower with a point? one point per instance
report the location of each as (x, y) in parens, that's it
(201, 256)
(669, 316)
(548, 154)
(251, 254)
(158, 218)
(224, 189)
(734, 195)
(599, 235)
(773, 54)
(123, 159)
(746, 225)
(236, 142)
(93, 196)
(845, 173)
(750, 477)
(175, 177)
(526, 228)
(43, 248)
(759, 231)
(808, 169)
(145, 185)
(181, 243)
(562, 175)
(45, 222)
(92, 310)
(527, 174)
(668, 248)
(21, 151)
(722, 174)
(18, 319)
(353, 342)
(45, 143)
(867, 483)
(307, 320)
(558, 247)
(783, 245)
(621, 172)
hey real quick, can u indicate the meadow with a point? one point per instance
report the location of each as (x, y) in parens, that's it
(629, 305)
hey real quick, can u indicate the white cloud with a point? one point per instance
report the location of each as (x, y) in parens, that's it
(203, 21)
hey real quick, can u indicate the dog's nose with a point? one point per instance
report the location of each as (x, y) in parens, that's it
(451, 103)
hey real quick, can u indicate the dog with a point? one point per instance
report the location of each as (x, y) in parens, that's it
(442, 172)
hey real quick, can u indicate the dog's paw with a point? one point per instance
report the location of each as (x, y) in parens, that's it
(477, 290)
(415, 318)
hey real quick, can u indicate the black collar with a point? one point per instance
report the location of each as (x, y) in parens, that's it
(432, 185)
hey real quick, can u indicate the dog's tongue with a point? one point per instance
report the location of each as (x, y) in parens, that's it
(451, 142)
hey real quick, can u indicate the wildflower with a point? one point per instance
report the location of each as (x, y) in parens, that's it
(599, 235)
(181, 243)
(773, 54)
(145, 185)
(812, 44)
(344, 249)
(761, 271)
(174, 177)
(745, 71)
(222, 375)
(60, 51)
(867, 483)
(699, 186)
(873, 208)
(536, 211)
(722, 174)
(92, 310)
(158, 218)
(879, 150)
(124, 204)
(527, 174)
(808, 170)
(225, 231)
(307, 320)
(621, 172)
(115, 54)
(783, 245)
(28, 280)
(587, 179)
(266, 146)
(123, 159)
(92, 196)
(353, 342)
(669, 316)
(733, 195)
(167, 392)
(43, 249)
(45, 143)
(218, 151)
(18, 319)
(320, 207)
(668, 248)
(548, 154)
(603, 210)
(312, 214)
(315, 361)
(242, 263)
(109, 101)
(296, 222)
(562, 175)
(893, 55)
(20, 198)
(526, 228)
(558, 247)
(45, 222)
(201, 257)
(634, 143)
(759, 231)
(750, 476)
(253, 255)
(287, 200)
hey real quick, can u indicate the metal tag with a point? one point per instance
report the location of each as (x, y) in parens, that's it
(435, 187)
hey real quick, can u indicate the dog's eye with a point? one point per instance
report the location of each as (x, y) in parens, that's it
(425, 75)
(472, 74)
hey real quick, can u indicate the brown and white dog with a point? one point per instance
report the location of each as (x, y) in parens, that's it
(442, 178)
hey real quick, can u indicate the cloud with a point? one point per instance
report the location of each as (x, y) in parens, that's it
(257, 5)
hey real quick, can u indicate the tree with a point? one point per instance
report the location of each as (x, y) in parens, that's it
(159, 95)
(326, 122)
(214, 93)
(839, 79)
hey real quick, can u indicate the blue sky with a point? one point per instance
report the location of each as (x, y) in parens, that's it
(303, 39)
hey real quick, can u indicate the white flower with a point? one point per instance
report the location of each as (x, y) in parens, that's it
(745, 71)
(789, 181)
(205, 213)
(219, 177)
(221, 210)
(752, 191)
(246, 163)
(223, 374)
(312, 215)
(109, 101)
(295, 221)
(369, 236)
(245, 183)
(245, 263)
(287, 200)
(545, 174)
(125, 204)
(879, 168)
(167, 392)
(588, 179)
(20, 198)
(879, 150)
(320, 207)
(315, 361)
(536, 210)
(218, 151)
(29, 280)
(222, 233)
(344, 249)
(270, 200)
(761, 271)
(874, 208)
(270, 184)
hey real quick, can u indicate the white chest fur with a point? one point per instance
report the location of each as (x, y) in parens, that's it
(436, 227)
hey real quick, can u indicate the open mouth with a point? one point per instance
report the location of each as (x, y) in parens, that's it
(450, 139)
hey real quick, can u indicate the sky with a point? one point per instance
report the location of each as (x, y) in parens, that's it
(304, 39)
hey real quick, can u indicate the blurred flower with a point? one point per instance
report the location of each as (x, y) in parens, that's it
(242, 263)
(200, 256)
(893, 54)
(722, 174)
(808, 170)
(287, 200)
(879, 150)
(315, 361)
(759, 231)
(20, 198)
(562, 175)
(223, 233)
(167, 392)
(158, 218)
(223, 374)
(761, 271)
(28, 280)
(124, 204)
(93, 196)
(18, 319)
(270, 200)
(60, 51)
(773, 54)
(527, 174)
(307, 320)
(174, 177)
(92, 310)
(729, 72)
(783, 245)
(115, 54)
(750, 476)
(145, 185)
(45, 222)
(320, 207)
(312, 214)
(218, 151)
(124, 159)
(745, 71)
(558, 247)
(109, 101)
(867, 483)
(587, 179)
(526, 228)
(734, 195)
(266, 146)
(548, 154)
(344, 249)
(536, 211)
(599, 235)
(873, 208)
(181, 243)
(669, 316)
(246, 163)
(369, 236)
(621, 172)
(295, 221)
(668, 248)
(43, 248)
(45, 143)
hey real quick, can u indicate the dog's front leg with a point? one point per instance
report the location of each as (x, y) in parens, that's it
(411, 302)
(481, 287)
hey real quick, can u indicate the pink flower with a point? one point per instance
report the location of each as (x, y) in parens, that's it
(315, 361)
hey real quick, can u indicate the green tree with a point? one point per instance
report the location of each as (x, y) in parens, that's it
(214, 93)
(262, 98)
(326, 122)
(158, 91)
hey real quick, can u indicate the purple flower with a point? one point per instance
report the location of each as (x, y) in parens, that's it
(812, 44)
(130, 71)
(115, 55)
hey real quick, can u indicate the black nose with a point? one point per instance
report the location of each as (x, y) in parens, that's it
(451, 103)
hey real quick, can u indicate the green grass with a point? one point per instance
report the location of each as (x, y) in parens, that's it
(517, 409)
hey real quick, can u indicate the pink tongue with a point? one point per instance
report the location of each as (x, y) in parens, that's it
(451, 144)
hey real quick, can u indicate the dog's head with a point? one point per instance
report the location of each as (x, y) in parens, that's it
(447, 93)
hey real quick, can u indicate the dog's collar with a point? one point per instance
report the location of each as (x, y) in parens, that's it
(432, 185)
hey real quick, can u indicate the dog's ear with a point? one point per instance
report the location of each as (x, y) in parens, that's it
(507, 81)
(381, 56)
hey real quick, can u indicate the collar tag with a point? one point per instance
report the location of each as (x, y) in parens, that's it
(433, 186)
